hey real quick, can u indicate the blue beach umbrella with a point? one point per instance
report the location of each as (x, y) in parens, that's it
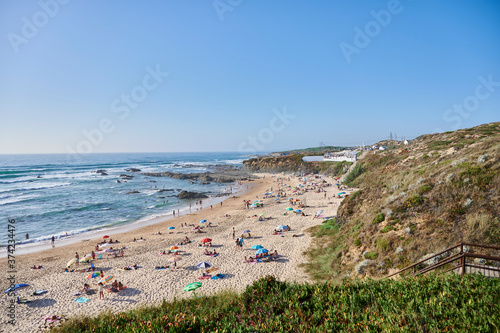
(17, 286)
(282, 227)
(260, 251)
(256, 247)
(340, 193)
(203, 221)
(170, 228)
(298, 211)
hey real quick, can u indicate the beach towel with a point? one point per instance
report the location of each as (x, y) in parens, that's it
(205, 277)
(51, 319)
(38, 292)
(22, 301)
(218, 276)
(82, 300)
(161, 267)
(210, 270)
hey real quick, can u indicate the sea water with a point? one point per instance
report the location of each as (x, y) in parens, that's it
(54, 195)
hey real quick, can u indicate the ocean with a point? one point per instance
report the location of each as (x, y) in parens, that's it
(54, 195)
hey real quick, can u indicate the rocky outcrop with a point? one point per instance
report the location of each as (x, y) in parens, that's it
(227, 176)
(133, 170)
(133, 192)
(191, 195)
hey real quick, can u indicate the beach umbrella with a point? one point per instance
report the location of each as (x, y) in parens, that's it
(170, 228)
(289, 208)
(276, 199)
(260, 251)
(204, 265)
(298, 211)
(262, 214)
(319, 212)
(174, 259)
(192, 287)
(246, 231)
(71, 262)
(203, 221)
(340, 193)
(337, 184)
(17, 286)
(93, 275)
(174, 247)
(206, 240)
(106, 279)
(256, 247)
(105, 236)
(282, 227)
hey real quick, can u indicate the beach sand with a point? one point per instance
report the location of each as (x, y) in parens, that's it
(147, 286)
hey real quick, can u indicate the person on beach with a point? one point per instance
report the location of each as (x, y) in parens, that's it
(101, 290)
(27, 236)
(173, 212)
(53, 241)
(86, 288)
(77, 258)
(101, 274)
(233, 232)
(93, 255)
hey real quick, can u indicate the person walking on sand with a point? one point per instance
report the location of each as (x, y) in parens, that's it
(53, 241)
(77, 258)
(173, 212)
(101, 290)
(233, 232)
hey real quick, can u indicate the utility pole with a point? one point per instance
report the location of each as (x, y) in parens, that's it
(391, 136)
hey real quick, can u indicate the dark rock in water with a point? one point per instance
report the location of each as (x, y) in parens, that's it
(165, 190)
(133, 170)
(100, 171)
(191, 195)
(178, 189)
(133, 192)
(103, 173)
(126, 176)
(118, 181)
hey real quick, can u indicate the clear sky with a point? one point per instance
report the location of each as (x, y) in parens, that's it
(241, 75)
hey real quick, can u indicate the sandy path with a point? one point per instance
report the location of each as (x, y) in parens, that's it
(149, 286)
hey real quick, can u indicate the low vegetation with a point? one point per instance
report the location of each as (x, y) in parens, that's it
(414, 200)
(425, 304)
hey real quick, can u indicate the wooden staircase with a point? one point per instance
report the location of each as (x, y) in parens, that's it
(458, 259)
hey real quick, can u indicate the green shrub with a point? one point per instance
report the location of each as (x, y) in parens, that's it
(413, 201)
(371, 255)
(383, 244)
(379, 218)
(424, 189)
(356, 171)
(355, 195)
(357, 242)
(387, 228)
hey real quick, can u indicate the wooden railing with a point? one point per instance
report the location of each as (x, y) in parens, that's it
(458, 259)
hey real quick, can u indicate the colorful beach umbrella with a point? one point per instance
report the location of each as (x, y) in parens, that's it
(170, 228)
(71, 262)
(256, 247)
(106, 279)
(192, 286)
(93, 275)
(174, 259)
(204, 265)
(206, 240)
(260, 251)
(174, 247)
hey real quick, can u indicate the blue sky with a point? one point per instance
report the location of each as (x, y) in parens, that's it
(242, 75)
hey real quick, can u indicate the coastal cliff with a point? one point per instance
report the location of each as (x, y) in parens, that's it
(293, 163)
(414, 200)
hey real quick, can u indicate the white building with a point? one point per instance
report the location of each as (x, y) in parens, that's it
(348, 156)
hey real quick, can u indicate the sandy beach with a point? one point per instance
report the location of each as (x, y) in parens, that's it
(149, 286)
